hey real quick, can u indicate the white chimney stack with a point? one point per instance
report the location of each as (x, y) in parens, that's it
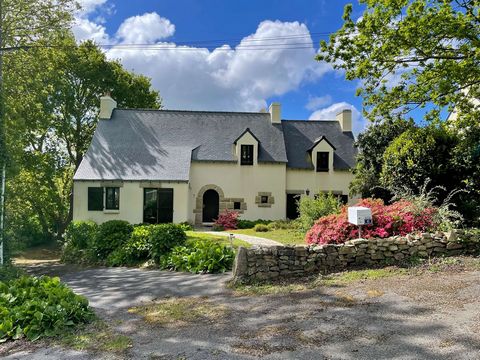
(275, 111)
(345, 120)
(107, 105)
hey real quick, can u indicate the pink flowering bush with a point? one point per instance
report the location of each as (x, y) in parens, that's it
(227, 220)
(400, 218)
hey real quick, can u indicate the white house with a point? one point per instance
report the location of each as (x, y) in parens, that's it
(164, 165)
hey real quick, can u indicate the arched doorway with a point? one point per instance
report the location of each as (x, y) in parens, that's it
(211, 201)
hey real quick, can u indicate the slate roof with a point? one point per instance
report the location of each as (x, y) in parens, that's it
(301, 135)
(160, 144)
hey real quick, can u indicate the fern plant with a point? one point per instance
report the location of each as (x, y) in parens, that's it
(446, 216)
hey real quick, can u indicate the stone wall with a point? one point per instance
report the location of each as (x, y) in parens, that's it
(262, 263)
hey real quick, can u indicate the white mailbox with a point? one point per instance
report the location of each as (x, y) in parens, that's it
(359, 215)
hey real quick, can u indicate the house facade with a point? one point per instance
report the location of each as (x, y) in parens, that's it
(158, 166)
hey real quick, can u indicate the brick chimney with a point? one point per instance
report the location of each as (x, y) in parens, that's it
(275, 111)
(345, 120)
(107, 105)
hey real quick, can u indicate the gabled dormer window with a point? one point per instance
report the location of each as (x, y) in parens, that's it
(246, 155)
(322, 161)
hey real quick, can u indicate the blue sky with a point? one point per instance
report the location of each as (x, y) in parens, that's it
(248, 65)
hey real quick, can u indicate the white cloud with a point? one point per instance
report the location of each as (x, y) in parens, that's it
(85, 29)
(329, 113)
(145, 29)
(88, 6)
(228, 78)
(316, 102)
(225, 78)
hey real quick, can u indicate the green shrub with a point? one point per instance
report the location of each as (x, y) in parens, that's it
(37, 307)
(250, 224)
(80, 233)
(200, 256)
(110, 236)
(186, 226)
(261, 228)
(78, 241)
(9, 272)
(163, 238)
(135, 250)
(217, 227)
(311, 209)
(282, 225)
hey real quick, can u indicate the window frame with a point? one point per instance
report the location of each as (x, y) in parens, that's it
(116, 205)
(264, 197)
(249, 158)
(90, 191)
(319, 157)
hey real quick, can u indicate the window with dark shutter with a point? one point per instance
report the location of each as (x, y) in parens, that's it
(322, 161)
(95, 199)
(246, 155)
(112, 198)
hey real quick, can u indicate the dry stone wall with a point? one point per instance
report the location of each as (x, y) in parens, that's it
(263, 263)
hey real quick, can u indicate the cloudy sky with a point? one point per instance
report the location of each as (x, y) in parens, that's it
(227, 55)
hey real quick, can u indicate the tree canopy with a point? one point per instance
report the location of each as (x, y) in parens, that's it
(52, 89)
(411, 54)
(373, 142)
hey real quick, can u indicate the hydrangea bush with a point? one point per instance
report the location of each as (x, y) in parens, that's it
(400, 218)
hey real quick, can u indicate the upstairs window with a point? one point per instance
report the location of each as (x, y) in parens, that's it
(246, 157)
(95, 199)
(322, 161)
(112, 198)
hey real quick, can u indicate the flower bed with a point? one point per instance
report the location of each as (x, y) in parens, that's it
(400, 218)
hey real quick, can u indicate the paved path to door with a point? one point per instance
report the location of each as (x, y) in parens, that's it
(254, 240)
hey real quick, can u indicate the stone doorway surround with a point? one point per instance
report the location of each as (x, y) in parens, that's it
(224, 203)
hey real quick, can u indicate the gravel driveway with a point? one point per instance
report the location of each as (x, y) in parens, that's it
(429, 315)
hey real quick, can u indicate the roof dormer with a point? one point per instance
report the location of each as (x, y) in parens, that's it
(321, 153)
(246, 148)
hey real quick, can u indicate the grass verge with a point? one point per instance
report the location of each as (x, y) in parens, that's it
(97, 336)
(193, 235)
(284, 236)
(180, 311)
(341, 279)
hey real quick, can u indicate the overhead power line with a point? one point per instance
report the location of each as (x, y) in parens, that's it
(302, 41)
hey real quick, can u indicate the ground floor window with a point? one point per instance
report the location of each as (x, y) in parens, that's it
(112, 198)
(157, 205)
(95, 199)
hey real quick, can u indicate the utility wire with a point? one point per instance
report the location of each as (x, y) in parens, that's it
(266, 43)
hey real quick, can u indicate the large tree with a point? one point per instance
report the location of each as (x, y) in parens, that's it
(411, 54)
(21, 23)
(52, 109)
(372, 143)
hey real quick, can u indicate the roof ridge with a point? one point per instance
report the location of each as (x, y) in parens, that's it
(197, 111)
(310, 121)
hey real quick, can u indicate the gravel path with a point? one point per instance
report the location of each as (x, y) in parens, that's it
(429, 315)
(254, 240)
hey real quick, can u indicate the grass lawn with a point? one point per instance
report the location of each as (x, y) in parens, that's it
(286, 236)
(193, 235)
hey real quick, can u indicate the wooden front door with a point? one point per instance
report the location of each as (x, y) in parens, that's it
(211, 203)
